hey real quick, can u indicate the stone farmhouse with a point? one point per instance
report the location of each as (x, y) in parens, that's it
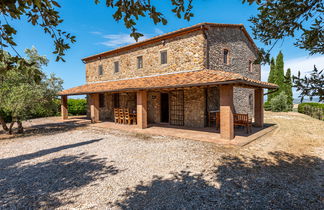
(178, 78)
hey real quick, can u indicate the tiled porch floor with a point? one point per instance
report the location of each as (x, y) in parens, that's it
(198, 134)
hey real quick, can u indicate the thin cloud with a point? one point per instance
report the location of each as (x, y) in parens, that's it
(118, 40)
(96, 32)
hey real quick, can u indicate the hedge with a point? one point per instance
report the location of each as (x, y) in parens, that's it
(312, 109)
(77, 106)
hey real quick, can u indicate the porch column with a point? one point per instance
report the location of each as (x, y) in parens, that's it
(258, 107)
(142, 109)
(226, 112)
(64, 108)
(94, 107)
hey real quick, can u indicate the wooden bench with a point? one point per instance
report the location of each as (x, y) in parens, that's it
(243, 120)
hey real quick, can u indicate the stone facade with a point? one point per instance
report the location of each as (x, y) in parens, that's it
(241, 51)
(194, 51)
(184, 53)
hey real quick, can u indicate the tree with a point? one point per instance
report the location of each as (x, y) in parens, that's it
(271, 78)
(300, 19)
(279, 103)
(44, 13)
(24, 90)
(310, 86)
(279, 77)
(288, 89)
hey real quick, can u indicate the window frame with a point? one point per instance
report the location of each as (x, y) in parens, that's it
(140, 65)
(166, 57)
(227, 56)
(250, 65)
(118, 67)
(100, 70)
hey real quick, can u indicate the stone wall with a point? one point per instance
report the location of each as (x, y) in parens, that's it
(184, 53)
(194, 107)
(241, 52)
(154, 107)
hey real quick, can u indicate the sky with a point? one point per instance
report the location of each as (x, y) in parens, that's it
(96, 31)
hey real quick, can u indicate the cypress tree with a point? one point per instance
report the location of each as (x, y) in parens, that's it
(280, 74)
(271, 77)
(288, 88)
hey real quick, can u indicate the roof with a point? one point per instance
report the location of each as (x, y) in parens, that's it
(204, 77)
(180, 32)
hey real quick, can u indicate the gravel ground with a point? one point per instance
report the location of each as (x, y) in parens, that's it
(86, 167)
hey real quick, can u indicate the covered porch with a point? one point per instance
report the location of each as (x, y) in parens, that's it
(184, 115)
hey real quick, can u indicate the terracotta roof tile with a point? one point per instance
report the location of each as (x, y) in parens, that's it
(176, 80)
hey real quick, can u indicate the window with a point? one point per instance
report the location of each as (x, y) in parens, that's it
(101, 100)
(251, 101)
(250, 66)
(225, 56)
(140, 62)
(100, 70)
(164, 57)
(116, 66)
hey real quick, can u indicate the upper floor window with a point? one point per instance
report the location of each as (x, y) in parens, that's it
(116, 66)
(225, 58)
(250, 66)
(140, 62)
(101, 100)
(164, 57)
(100, 70)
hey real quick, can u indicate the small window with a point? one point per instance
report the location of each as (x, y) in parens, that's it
(225, 56)
(100, 70)
(116, 66)
(164, 57)
(251, 101)
(250, 66)
(101, 100)
(140, 62)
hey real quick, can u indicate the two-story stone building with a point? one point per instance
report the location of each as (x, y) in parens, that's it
(178, 78)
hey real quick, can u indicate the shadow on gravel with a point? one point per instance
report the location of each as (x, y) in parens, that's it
(285, 181)
(45, 129)
(41, 185)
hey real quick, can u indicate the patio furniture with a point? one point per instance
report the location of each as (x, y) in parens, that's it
(214, 116)
(121, 115)
(243, 120)
(129, 117)
(116, 115)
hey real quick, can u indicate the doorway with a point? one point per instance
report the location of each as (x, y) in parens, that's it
(164, 107)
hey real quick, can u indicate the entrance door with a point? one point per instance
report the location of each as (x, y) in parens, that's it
(165, 107)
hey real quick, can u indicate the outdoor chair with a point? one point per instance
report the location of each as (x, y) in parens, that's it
(129, 118)
(116, 115)
(243, 120)
(121, 115)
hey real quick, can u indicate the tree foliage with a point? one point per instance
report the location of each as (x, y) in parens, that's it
(288, 89)
(310, 85)
(280, 73)
(300, 19)
(279, 103)
(44, 13)
(25, 90)
(271, 78)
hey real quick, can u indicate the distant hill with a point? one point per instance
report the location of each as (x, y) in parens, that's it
(297, 100)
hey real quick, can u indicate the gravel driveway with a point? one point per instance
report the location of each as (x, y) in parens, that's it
(88, 167)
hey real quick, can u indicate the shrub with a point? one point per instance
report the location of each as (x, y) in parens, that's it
(77, 106)
(279, 103)
(267, 106)
(312, 104)
(315, 110)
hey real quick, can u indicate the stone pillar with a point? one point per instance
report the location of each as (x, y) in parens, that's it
(142, 109)
(258, 107)
(226, 112)
(64, 108)
(94, 107)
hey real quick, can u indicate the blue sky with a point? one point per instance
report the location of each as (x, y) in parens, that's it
(96, 31)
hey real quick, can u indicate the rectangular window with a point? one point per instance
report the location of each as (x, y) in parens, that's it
(101, 100)
(251, 101)
(164, 57)
(140, 62)
(225, 58)
(116, 66)
(250, 66)
(100, 70)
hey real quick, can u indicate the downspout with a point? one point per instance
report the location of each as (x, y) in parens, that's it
(204, 29)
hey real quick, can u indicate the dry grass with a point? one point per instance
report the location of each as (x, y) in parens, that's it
(87, 167)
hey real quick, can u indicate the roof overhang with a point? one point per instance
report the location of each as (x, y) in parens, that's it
(198, 78)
